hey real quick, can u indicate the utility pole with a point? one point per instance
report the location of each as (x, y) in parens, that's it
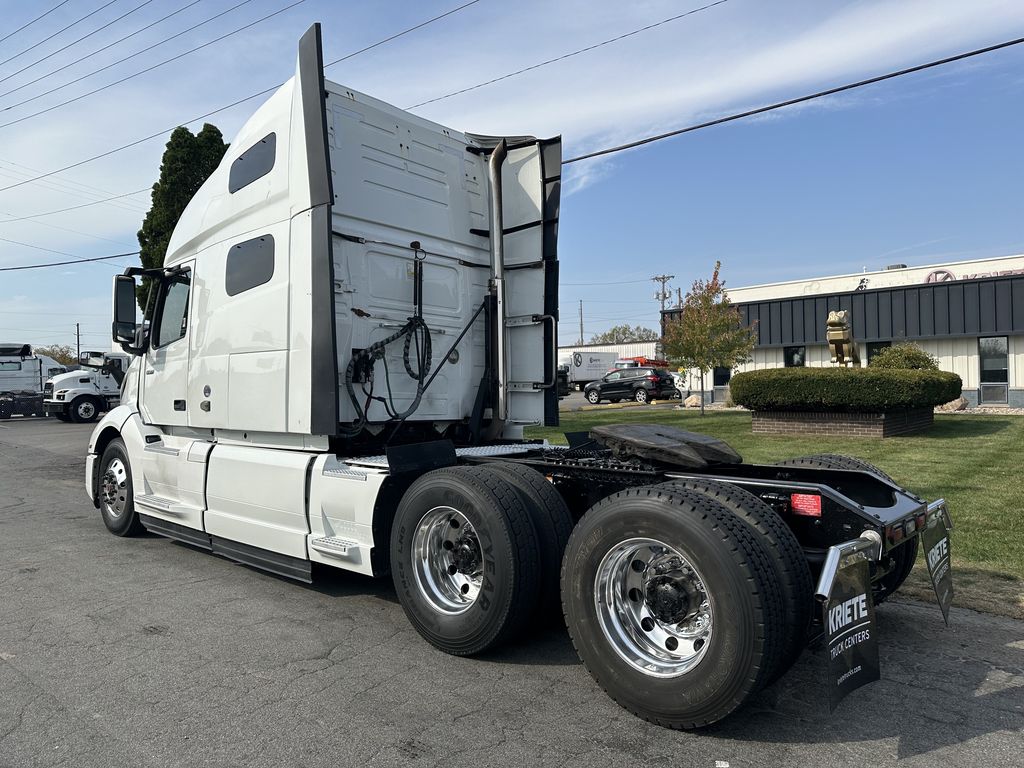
(662, 294)
(78, 342)
(679, 298)
(581, 321)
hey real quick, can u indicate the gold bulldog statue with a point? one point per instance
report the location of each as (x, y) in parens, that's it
(839, 335)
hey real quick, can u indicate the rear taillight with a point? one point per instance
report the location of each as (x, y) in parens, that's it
(805, 504)
(652, 378)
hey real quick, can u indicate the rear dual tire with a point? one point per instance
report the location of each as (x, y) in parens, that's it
(635, 623)
(465, 559)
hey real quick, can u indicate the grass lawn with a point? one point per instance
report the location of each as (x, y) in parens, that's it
(974, 462)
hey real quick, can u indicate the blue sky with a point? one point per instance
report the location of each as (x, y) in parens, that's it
(920, 170)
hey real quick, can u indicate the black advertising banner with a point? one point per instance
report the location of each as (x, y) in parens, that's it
(850, 630)
(935, 540)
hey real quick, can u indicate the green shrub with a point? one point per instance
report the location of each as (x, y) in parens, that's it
(862, 390)
(905, 357)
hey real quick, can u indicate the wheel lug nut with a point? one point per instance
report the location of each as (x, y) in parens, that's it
(671, 643)
(647, 623)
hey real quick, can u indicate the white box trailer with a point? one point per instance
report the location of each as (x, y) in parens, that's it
(23, 376)
(585, 367)
(354, 322)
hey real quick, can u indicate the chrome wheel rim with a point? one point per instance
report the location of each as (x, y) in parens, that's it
(653, 607)
(114, 488)
(447, 560)
(86, 410)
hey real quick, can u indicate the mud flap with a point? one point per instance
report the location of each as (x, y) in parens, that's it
(935, 541)
(849, 620)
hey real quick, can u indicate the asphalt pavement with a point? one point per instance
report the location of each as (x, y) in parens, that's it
(143, 652)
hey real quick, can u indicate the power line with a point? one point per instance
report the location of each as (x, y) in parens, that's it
(797, 100)
(76, 42)
(73, 207)
(65, 229)
(126, 58)
(140, 72)
(63, 29)
(65, 263)
(567, 55)
(46, 250)
(28, 24)
(100, 50)
(164, 132)
(79, 189)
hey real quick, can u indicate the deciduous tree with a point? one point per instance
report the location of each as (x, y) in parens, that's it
(709, 332)
(623, 334)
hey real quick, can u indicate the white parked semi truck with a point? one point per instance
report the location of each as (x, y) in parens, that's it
(23, 374)
(81, 396)
(355, 321)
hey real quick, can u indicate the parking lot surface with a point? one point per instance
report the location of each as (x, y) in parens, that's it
(143, 652)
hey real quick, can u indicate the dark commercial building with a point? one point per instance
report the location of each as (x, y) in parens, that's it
(969, 315)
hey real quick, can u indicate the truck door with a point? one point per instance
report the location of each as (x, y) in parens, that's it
(165, 368)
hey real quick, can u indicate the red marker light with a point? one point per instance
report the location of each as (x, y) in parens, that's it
(805, 504)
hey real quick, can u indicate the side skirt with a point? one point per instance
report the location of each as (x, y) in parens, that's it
(282, 565)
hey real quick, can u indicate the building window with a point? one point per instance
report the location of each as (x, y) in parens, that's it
(794, 357)
(993, 352)
(721, 376)
(874, 347)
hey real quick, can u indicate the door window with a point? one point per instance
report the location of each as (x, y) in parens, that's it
(993, 352)
(172, 315)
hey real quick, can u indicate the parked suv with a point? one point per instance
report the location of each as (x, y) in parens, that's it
(640, 384)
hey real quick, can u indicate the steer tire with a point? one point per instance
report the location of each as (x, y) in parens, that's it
(508, 558)
(734, 566)
(117, 507)
(84, 409)
(787, 559)
(903, 557)
(553, 523)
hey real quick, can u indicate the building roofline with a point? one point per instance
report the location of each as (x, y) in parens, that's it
(876, 272)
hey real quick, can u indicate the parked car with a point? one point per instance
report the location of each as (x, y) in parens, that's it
(640, 384)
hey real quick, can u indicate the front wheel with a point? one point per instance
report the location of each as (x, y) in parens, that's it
(640, 395)
(593, 397)
(84, 409)
(117, 504)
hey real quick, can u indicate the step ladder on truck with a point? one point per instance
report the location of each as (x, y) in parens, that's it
(355, 321)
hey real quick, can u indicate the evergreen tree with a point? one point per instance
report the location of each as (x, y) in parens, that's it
(188, 161)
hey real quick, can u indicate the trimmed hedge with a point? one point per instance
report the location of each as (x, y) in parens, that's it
(853, 390)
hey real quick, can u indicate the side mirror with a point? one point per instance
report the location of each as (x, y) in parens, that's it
(124, 329)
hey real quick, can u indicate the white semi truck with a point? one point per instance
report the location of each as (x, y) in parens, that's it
(356, 319)
(81, 396)
(23, 374)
